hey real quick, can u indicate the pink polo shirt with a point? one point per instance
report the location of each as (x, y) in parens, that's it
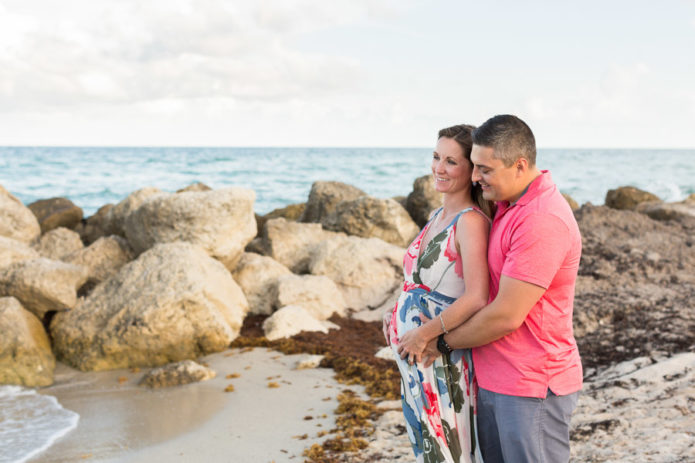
(535, 240)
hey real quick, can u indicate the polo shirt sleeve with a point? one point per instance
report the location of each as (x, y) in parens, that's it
(538, 247)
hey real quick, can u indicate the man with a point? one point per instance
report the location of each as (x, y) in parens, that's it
(525, 355)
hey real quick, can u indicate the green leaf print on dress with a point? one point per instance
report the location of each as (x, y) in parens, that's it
(453, 440)
(430, 448)
(429, 255)
(452, 379)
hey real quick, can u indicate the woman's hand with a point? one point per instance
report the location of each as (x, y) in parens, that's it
(385, 327)
(412, 344)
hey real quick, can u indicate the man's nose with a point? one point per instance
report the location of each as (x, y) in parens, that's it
(475, 175)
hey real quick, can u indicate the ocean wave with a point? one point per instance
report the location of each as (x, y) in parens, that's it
(30, 423)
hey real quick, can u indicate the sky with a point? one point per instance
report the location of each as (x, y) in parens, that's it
(594, 74)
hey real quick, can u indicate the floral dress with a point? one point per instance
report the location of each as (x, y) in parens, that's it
(439, 402)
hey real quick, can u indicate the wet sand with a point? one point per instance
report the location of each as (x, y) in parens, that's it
(121, 421)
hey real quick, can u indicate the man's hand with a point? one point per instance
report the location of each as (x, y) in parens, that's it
(431, 353)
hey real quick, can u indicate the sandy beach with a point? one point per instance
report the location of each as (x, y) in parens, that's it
(121, 421)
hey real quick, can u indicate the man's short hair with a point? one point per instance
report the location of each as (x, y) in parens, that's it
(509, 137)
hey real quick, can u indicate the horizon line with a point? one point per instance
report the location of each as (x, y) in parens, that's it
(334, 147)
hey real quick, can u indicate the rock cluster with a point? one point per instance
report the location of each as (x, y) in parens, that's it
(164, 277)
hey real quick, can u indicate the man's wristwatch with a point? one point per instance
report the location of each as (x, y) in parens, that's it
(442, 346)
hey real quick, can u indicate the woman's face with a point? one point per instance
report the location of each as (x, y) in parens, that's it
(451, 170)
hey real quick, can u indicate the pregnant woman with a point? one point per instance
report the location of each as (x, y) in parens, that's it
(446, 280)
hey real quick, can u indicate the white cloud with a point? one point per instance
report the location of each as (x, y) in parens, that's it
(91, 53)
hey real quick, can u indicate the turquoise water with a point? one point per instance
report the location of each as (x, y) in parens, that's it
(94, 176)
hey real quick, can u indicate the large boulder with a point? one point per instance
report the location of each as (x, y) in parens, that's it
(43, 285)
(628, 197)
(290, 212)
(291, 320)
(177, 374)
(371, 217)
(115, 217)
(96, 226)
(635, 286)
(172, 303)
(16, 220)
(423, 200)
(574, 205)
(219, 221)
(25, 352)
(257, 275)
(366, 270)
(56, 212)
(318, 294)
(290, 243)
(58, 243)
(325, 196)
(682, 211)
(103, 258)
(14, 251)
(195, 186)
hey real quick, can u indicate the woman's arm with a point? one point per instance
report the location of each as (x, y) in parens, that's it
(471, 238)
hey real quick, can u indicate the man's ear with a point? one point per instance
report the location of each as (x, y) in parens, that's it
(521, 165)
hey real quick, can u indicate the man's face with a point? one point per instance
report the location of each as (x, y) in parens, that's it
(497, 181)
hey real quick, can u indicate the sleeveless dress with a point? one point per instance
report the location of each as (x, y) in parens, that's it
(439, 402)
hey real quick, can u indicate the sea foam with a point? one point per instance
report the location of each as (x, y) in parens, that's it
(30, 423)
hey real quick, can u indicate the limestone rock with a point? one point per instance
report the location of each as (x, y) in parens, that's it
(25, 352)
(325, 196)
(43, 285)
(256, 275)
(14, 251)
(196, 186)
(177, 374)
(385, 353)
(291, 320)
(58, 243)
(309, 362)
(16, 220)
(56, 212)
(683, 211)
(290, 212)
(628, 197)
(402, 200)
(423, 200)
(366, 270)
(219, 221)
(290, 243)
(172, 303)
(103, 258)
(318, 295)
(573, 204)
(370, 217)
(117, 215)
(96, 226)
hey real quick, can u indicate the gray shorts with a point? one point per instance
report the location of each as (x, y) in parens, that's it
(515, 429)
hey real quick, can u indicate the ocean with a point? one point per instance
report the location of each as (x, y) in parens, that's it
(30, 423)
(94, 176)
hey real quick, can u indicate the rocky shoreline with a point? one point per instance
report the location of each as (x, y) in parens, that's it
(164, 277)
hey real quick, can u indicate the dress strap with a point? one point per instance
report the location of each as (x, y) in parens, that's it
(434, 215)
(467, 210)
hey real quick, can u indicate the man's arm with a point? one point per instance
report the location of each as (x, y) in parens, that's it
(502, 316)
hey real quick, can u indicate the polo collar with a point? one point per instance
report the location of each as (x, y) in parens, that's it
(539, 184)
